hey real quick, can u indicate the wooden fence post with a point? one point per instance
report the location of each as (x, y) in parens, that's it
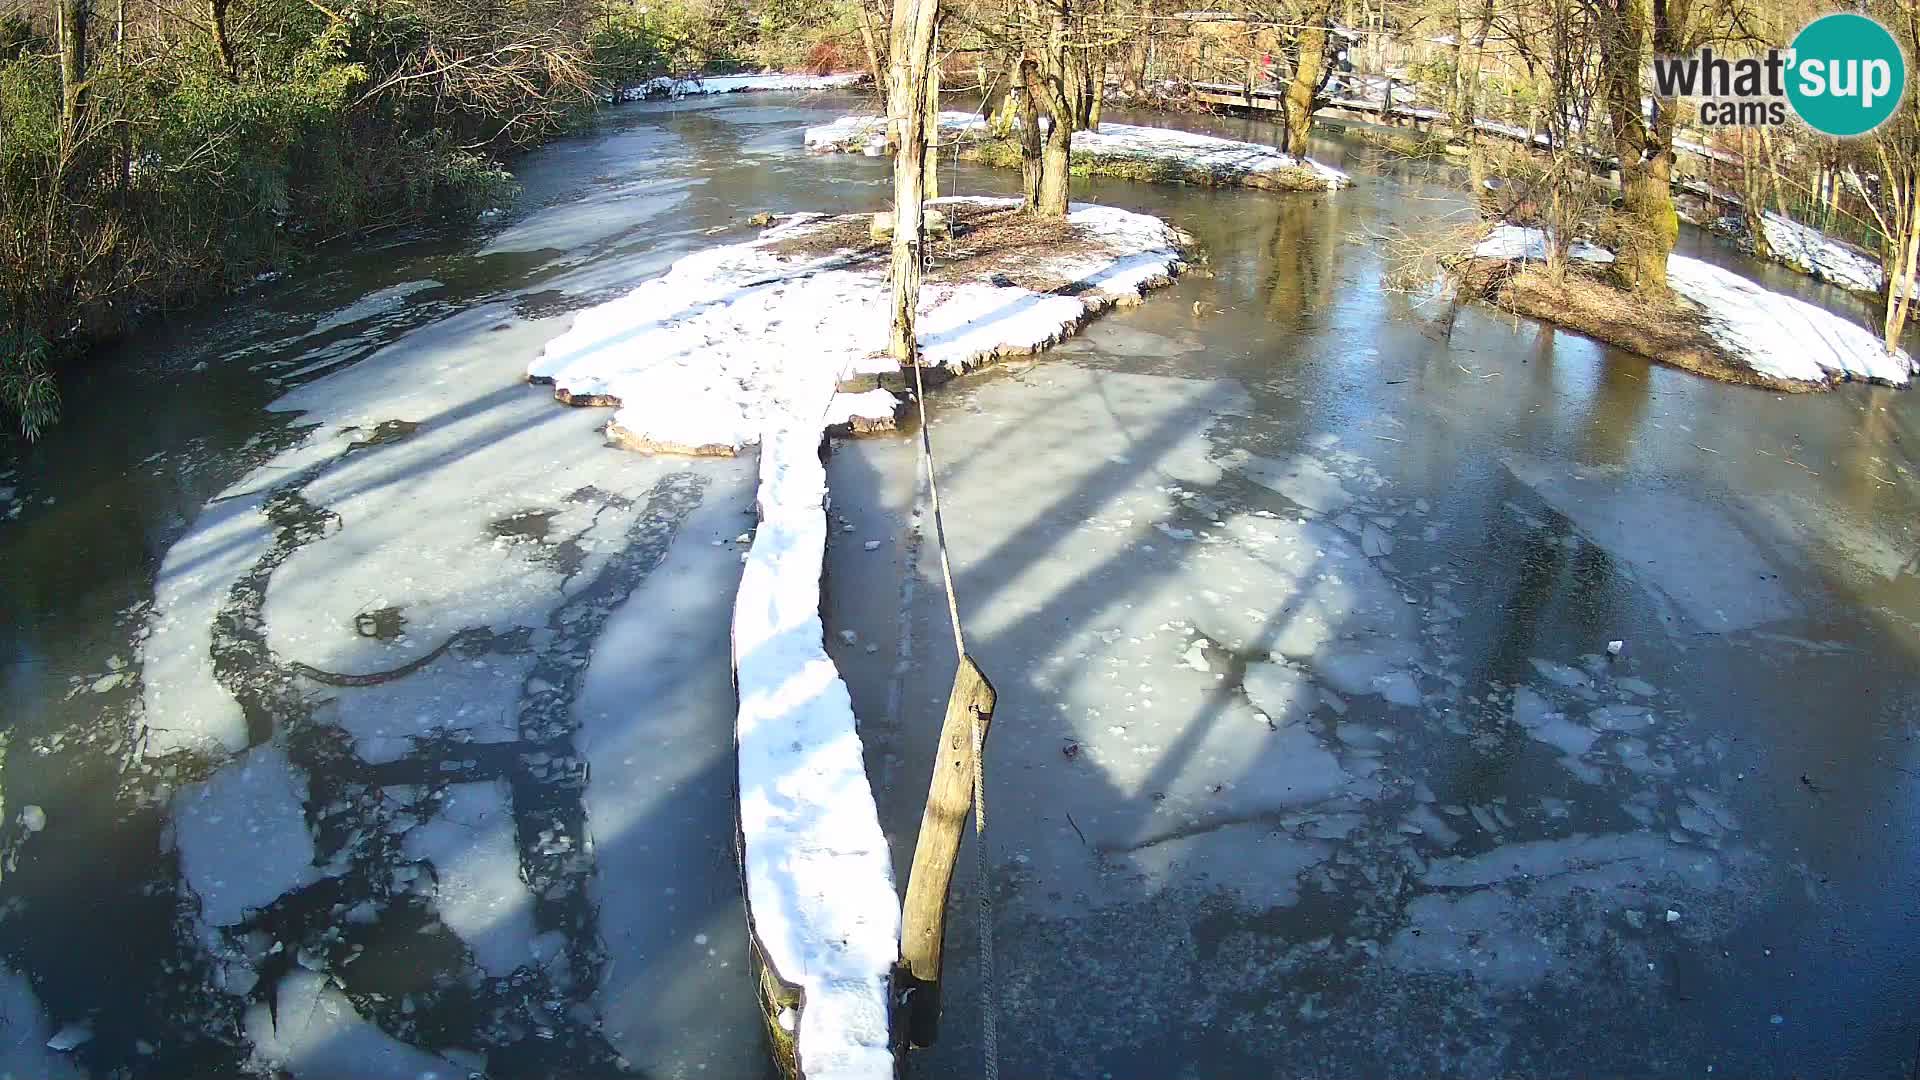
(949, 798)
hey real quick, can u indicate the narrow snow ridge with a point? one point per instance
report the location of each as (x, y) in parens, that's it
(742, 345)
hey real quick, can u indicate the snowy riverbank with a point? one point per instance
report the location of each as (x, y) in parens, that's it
(750, 344)
(1126, 150)
(1776, 337)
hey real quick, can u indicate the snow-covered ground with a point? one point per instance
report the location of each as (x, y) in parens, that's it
(669, 87)
(1812, 252)
(1783, 336)
(1221, 160)
(742, 345)
(1776, 335)
(861, 132)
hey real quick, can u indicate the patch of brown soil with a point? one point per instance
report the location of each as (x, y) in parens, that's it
(996, 244)
(1669, 331)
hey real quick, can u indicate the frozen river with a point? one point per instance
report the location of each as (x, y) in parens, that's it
(404, 747)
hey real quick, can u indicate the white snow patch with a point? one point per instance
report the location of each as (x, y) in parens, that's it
(1203, 151)
(1524, 244)
(856, 131)
(1782, 336)
(1813, 252)
(1146, 144)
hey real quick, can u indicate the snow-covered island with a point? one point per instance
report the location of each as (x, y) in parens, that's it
(1124, 150)
(773, 343)
(668, 87)
(1720, 324)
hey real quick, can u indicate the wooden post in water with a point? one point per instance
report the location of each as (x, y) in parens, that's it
(949, 798)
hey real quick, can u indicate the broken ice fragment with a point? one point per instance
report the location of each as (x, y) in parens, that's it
(71, 1036)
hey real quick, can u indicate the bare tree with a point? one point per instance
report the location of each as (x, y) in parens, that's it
(911, 52)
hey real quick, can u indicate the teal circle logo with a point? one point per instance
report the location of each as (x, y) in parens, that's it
(1846, 74)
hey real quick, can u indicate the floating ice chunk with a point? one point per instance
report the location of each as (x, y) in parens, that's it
(1196, 658)
(1302, 479)
(313, 1032)
(478, 890)
(1372, 671)
(1375, 542)
(1560, 673)
(1281, 691)
(24, 1027)
(242, 835)
(70, 1037)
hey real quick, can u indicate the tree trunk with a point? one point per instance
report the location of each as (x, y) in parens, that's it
(1096, 94)
(1308, 70)
(1903, 269)
(72, 17)
(217, 18)
(1646, 157)
(931, 171)
(911, 51)
(1055, 165)
(1753, 205)
(870, 42)
(1031, 166)
(1133, 71)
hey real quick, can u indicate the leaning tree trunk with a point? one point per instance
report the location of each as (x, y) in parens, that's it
(912, 55)
(1903, 264)
(870, 44)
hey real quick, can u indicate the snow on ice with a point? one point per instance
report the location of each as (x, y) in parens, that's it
(739, 346)
(1205, 153)
(1775, 334)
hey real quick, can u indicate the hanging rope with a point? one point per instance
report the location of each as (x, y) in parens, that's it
(989, 1011)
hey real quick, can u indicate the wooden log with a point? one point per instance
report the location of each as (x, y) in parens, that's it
(949, 798)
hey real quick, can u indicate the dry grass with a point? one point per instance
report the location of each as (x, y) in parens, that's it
(1668, 331)
(996, 244)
